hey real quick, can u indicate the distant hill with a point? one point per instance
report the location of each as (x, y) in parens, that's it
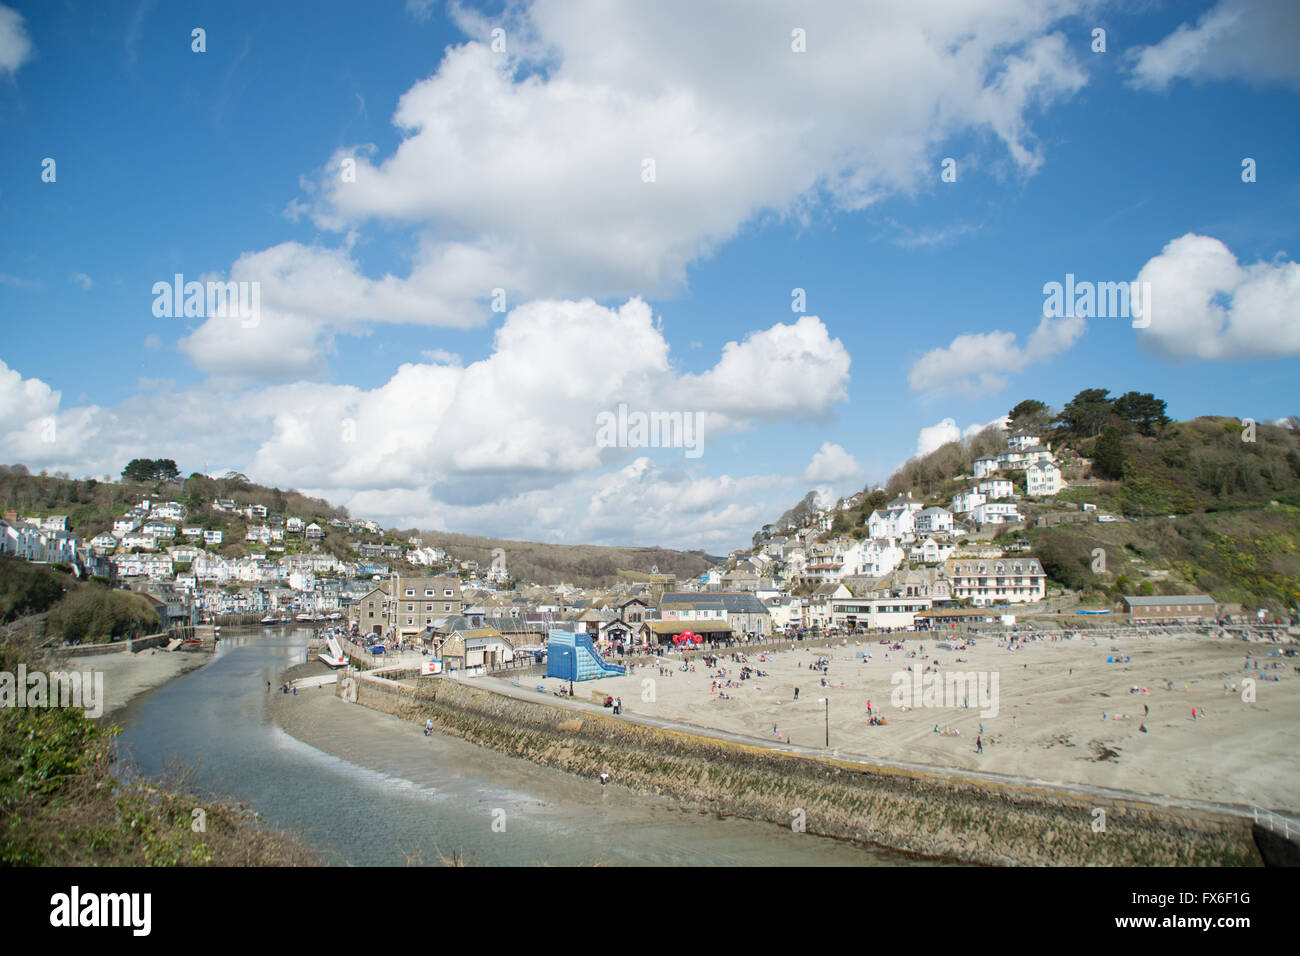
(579, 564)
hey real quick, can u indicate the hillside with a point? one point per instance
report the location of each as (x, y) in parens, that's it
(1233, 489)
(93, 505)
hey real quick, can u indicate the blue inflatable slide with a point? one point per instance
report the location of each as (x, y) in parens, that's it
(571, 656)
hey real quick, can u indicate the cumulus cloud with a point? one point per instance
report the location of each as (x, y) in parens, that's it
(979, 363)
(15, 45)
(1255, 40)
(1205, 304)
(832, 465)
(503, 445)
(940, 434)
(525, 171)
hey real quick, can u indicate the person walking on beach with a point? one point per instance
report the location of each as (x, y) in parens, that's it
(979, 744)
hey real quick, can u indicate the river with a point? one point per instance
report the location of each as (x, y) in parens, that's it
(369, 789)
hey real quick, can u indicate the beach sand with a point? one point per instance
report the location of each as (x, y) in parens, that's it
(128, 675)
(1048, 724)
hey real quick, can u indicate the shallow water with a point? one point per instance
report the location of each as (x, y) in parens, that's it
(378, 790)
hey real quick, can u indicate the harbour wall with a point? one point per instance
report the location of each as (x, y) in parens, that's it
(932, 814)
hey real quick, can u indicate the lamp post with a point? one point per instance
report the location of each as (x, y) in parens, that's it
(827, 702)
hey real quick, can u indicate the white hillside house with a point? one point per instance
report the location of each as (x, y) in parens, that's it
(1043, 478)
(996, 512)
(934, 521)
(966, 502)
(896, 520)
(995, 488)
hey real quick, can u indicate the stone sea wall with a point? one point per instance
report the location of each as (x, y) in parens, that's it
(930, 814)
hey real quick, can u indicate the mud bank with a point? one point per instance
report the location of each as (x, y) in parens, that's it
(934, 815)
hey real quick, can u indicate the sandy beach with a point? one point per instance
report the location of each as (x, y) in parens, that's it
(1049, 722)
(128, 675)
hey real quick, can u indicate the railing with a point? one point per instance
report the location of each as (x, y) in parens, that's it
(1276, 823)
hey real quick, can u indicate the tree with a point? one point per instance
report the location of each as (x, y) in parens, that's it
(1030, 415)
(1142, 409)
(1086, 413)
(150, 469)
(1108, 457)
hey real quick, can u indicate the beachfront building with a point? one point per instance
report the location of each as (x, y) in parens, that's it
(742, 611)
(419, 603)
(986, 581)
(892, 602)
(1171, 607)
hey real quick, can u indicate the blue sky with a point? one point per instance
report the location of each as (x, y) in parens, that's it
(379, 376)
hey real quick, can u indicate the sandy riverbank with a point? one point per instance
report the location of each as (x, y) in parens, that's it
(128, 675)
(1048, 725)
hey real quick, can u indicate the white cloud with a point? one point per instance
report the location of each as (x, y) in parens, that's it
(523, 171)
(832, 465)
(938, 435)
(979, 363)
(1255, 40)
(1204, 304)
(504, 445)
(83, 280)
(15, 45)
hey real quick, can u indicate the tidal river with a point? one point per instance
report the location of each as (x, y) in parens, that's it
(368, 789)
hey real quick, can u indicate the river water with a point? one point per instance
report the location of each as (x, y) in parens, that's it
(369, 789)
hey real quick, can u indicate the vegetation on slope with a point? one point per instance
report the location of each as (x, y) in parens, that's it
(61, 803)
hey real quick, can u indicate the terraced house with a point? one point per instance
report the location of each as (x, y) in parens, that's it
(986, 581)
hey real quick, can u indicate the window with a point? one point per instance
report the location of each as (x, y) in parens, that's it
(446, 607)
(447, 593)
(410, 607)
(428, 592)
(410, 592)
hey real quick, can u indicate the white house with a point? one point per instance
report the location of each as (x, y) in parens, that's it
(169, 511)
(896, 520)
(994, 488)
(137, 539)
(125, 526)
(293, 525)
(1043, 478)
(159, 529)
(934, 549)
(967, 501)
(212, 537)
(104, 542)
(875, 557)
(192, 531)
(996, 512)
(985, 465)
(54, 523)
(1022, 441)
(933, 520)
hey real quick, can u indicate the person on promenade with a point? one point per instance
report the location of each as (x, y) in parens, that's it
(979, 744)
